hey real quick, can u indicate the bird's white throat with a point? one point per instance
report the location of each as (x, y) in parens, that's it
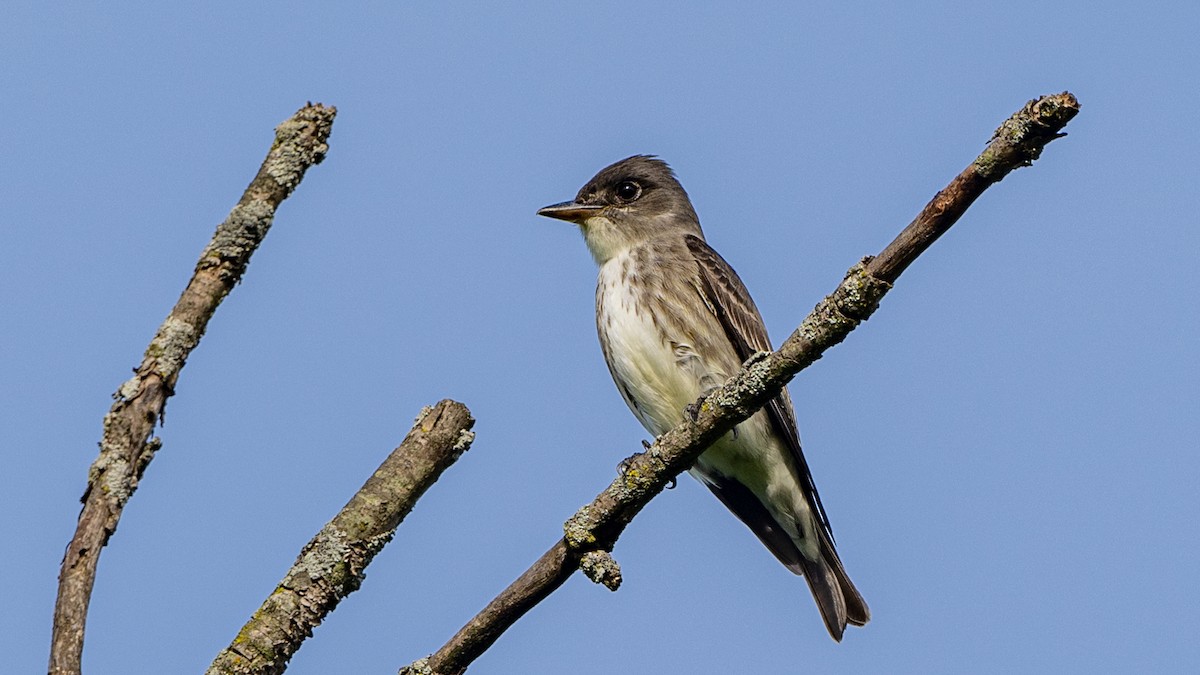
(604, 239)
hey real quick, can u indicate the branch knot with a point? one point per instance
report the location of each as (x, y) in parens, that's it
(600, 567)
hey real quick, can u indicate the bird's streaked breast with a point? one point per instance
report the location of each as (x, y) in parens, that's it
(651, 360)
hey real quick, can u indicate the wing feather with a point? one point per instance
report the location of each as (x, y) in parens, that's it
(727, 296)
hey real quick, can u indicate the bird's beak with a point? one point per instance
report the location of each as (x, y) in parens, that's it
(570, 211)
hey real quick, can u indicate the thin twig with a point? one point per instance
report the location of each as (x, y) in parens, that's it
(334, 563)
(597, 526)
(126, 447)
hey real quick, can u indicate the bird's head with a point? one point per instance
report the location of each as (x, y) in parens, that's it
(628, 203)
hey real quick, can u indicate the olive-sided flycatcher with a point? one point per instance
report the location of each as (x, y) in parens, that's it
(675, 322)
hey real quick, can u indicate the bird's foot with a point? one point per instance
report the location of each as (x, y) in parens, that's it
(624, 465)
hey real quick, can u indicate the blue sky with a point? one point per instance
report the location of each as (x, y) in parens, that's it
(1007, 450)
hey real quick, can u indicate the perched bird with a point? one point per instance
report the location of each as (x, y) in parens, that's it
(675, 322)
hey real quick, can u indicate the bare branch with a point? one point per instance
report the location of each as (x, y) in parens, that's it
(126, 447)
(333, 564)
(597, 526)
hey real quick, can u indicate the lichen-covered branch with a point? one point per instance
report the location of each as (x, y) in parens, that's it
(333, 564)
(126, 447)
(597, 526)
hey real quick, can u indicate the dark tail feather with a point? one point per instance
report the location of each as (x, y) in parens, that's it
(837, 598)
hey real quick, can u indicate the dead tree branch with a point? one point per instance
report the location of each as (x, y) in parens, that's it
(592, 532)
(333, 564)
(126, 447)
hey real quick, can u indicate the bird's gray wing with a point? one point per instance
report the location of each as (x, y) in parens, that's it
(727, 297)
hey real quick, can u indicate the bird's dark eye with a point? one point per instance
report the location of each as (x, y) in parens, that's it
(628, 191)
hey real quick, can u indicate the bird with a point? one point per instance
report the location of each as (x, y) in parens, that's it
(675, 322)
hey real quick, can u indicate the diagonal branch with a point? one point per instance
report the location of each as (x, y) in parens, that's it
(334, 562)
(592, 532)
(126, 447)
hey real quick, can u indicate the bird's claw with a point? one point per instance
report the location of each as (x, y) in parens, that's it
(624, 465)
(670, 486)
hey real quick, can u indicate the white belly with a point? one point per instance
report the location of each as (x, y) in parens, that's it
(660, 372)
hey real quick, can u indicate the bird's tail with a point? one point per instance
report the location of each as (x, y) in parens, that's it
(837, 598)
